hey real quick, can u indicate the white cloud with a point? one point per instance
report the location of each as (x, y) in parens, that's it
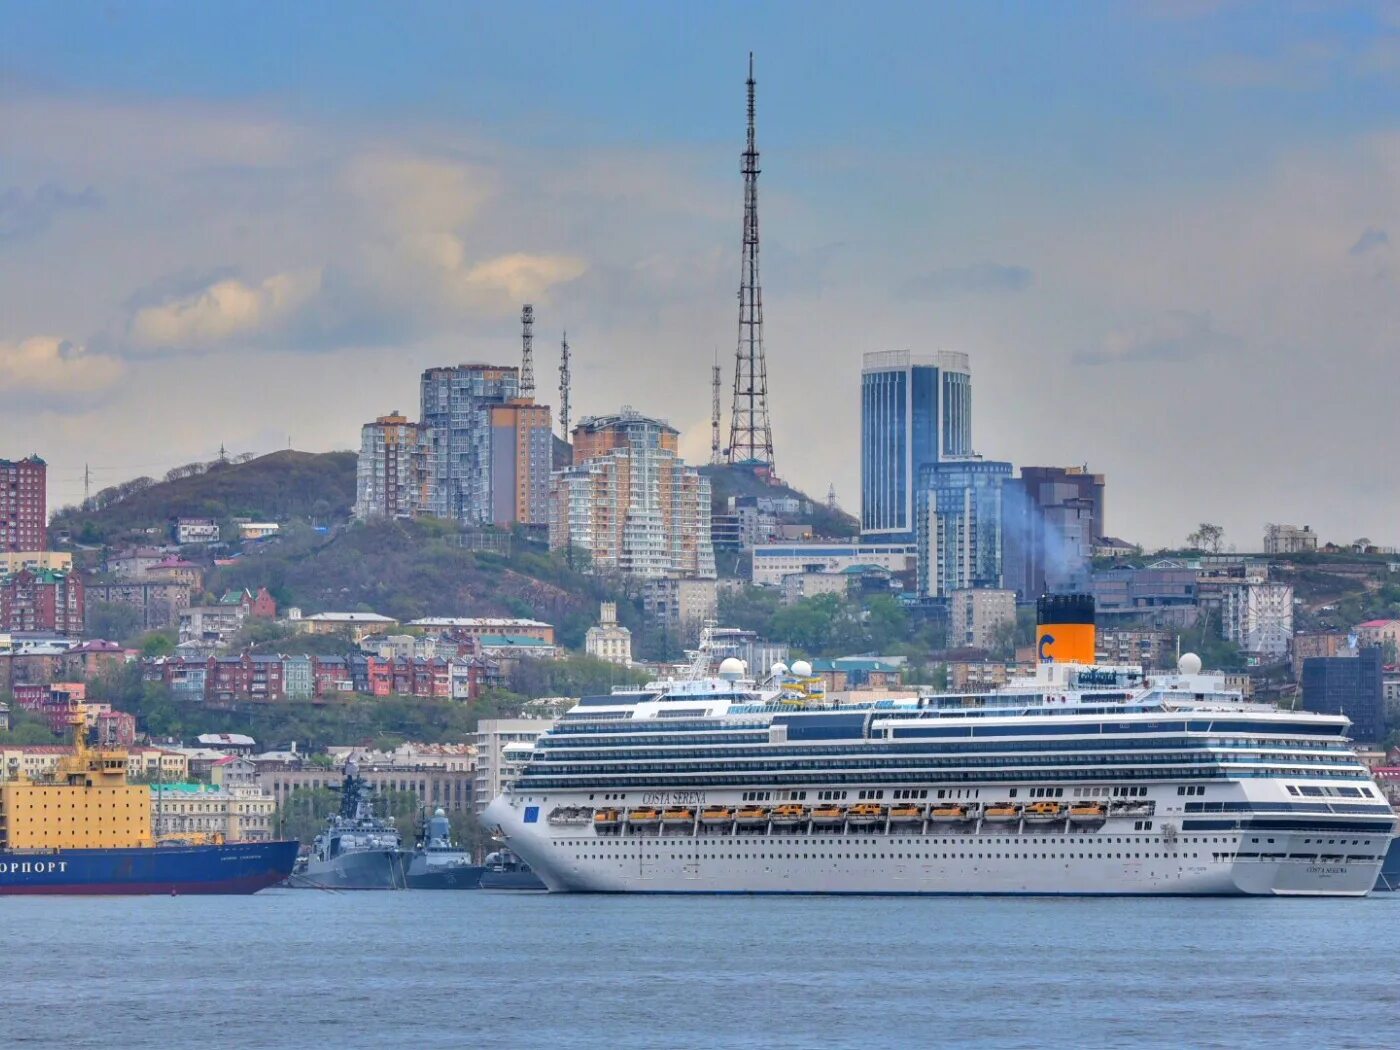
(225, 310)
(50, 372)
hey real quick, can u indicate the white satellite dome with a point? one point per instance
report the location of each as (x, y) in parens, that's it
(1189, 663)
(731, 667)
(779, 668)
(802, 669)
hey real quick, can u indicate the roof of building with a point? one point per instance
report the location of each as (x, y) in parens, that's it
(348, 617)
(475, 621)
(226, 739)
(854, 663)
(514, 640)
(1378, 623)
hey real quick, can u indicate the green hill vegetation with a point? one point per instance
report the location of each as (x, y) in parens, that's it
(727, 481)
(317, 487)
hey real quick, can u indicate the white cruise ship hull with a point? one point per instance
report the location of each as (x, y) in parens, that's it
(1111, 860)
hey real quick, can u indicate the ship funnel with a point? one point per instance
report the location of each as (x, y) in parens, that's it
(1064, 632)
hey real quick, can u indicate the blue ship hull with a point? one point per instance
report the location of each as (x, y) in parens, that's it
(238, 867)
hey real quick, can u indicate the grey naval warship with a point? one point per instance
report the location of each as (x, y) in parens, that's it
(357, 850)
(439, 863)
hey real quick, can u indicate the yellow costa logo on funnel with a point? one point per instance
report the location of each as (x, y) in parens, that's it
(1065, 643)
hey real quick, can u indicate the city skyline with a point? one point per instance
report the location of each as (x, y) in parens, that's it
(1157, 234)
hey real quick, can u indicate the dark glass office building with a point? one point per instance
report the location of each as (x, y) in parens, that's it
(1348, 685)
(915, 410)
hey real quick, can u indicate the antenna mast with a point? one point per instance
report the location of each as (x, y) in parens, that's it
(716, 380)
(564, 377)
(750, 434)
(527, 351)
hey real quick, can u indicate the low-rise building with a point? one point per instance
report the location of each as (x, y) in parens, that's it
(237, 814)
(1258, 617)
(355, 624)
(858, 672)
(213, 626)
(157, 603)
(476, 626)
(449, 788)
(799, 585)
(14, 561)
(1289, 539)
(41, 600)
(980, 616)
(607, 639)
(680, 605)
(1383, 634)
(503, 746)
(773, 561)
(1147, 647)
(195, 530)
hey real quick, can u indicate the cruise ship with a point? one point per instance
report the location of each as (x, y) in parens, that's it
(1081, 779)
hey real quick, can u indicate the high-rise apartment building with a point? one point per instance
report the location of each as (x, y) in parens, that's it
(456, 424)
(1052, 520)
(1257, 615)
(915, 410)
(630, 502)
(522, 458)
(480, 454)
(392, 471)
(958, 522)
(23, 504)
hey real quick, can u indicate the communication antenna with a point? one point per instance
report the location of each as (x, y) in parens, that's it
(87, 483)
(831, 497)
(716, 379)
(564, 378)
(750, 434)
(527, 351)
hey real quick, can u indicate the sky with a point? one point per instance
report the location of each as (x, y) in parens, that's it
(1162, 231)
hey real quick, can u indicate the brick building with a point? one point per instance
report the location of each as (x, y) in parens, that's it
(24, 513)
(42, 600)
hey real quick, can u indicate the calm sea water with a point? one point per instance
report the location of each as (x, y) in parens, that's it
(424, 970)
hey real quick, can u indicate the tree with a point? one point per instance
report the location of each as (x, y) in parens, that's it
(113, 621)
(1207, 537)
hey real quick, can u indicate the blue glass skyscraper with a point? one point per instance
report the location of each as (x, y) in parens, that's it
(958, 522)
(915, 410)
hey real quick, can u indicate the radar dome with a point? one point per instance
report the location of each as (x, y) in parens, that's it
(779, 668)
(731, 668)
(802, 669)
(1189, 663)
(439, 812)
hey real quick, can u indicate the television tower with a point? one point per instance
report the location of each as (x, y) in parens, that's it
(527, 351)
(564, 378)
(716, 381)
(750, 434)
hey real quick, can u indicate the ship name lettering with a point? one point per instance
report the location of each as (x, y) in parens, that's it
(32, 867)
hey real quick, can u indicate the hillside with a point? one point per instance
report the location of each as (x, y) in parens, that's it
(281, 486)
(727, 481)
(411, 569)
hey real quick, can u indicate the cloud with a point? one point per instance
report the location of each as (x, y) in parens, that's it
(977, 279)
(1372, 240)
(225, 310)
(51, 372)
(1174, 336)
(26, 214)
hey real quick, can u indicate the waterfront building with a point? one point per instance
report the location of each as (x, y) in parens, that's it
(36, 761)
(42, 600)
(959, 523)
(915, 410)
(1350, 686)
(503, 747)
(607, 639)
(24, 515)
(1257, 615)
(1053, 520)
(772, 561)
(433, 785)
(978, 616)
(1289, 539)
(629, 503)
(237, 814)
